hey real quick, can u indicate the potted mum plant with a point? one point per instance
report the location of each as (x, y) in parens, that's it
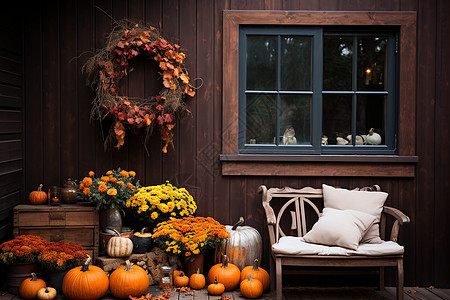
(190, 237)
(21, 256)
(155, 204)
(57, 258)
(109, 193)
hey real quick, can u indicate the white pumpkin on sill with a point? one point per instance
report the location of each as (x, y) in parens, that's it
(373, 138)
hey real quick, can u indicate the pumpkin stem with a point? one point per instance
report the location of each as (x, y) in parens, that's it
(198, 270)
(240, 222)
(46, 290)
(143, 230)
(85, 267)
(33, 277)
(182, 274)
(215, 280)
(225, 261)
(250, 277)
(40, 187)
(114, 230)
(128, 266)
(256, 265)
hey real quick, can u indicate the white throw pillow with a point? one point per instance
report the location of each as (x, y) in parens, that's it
(343, 228)
(364, 201)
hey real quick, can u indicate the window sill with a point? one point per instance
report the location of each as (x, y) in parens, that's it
(319, 165)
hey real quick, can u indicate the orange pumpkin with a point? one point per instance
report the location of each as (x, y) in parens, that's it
(181, 280)
(257, 273)
(85, 282)
(38, 197)
(216, 288)
(128, 281)
(30, 287)
(197, 280)
(226, 273)
(251, 288)
(177, 272)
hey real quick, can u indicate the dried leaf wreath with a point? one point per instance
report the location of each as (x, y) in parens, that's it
(111, 63)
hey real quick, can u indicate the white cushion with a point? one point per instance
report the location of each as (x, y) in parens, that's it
(297, 246)
(365, 201)
(343, 228)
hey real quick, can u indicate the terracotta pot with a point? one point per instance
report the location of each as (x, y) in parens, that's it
(193, 263)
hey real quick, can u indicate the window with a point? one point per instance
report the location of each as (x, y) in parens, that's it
(241, 157)
(317, 90)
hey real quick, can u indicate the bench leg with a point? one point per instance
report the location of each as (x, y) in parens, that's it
(381, 279)
(400, 279)
(279, 283)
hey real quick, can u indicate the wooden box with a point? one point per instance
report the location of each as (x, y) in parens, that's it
(76, 223)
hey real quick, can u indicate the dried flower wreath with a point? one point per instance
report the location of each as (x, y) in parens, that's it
(111, 63)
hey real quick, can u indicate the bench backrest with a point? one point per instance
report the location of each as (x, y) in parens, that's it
(294, 201)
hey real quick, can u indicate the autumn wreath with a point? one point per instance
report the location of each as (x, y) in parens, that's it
(111, 63)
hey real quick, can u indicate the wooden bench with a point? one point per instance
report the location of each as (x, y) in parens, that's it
(294, 200)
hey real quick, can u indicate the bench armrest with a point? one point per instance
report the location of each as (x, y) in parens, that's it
(400, 219)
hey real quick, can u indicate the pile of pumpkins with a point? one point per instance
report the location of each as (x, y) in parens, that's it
(90, 282)
(252, 280)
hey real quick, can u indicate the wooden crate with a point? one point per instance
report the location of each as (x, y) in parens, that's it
(76, 223)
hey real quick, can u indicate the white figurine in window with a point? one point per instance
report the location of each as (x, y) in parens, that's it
(289, 136)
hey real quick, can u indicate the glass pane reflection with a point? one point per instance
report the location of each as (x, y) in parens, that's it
(296, 63)
(261, 119)
(371, 113)
(337, 63)
(337, 119)
(295, 120)
(372, 63)
(261, 63)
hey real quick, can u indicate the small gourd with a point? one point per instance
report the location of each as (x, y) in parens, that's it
(197, 281)
(251, 288)
(119, 246)
(181, 280)
(39, 196)
(47, 293)
(373, 138)
(29, 287)
(216, 288)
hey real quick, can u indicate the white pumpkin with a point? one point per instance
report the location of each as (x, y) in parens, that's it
(119, 246)
(373, 138)
(243, 247)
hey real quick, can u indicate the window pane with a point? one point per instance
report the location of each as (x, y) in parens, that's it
(337, 63)
(296, 63)
(261, 63)
(295, 120)
(372, 63)
(371, 113)
(261, 119)
(337, 119)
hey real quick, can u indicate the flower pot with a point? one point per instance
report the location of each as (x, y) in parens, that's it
(193, 263)
(112, 218)
(18, 272)
(55, 280)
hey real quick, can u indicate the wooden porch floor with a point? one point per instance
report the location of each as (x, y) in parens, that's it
(300, 294)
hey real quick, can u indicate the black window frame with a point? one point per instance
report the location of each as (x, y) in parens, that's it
(389, 146)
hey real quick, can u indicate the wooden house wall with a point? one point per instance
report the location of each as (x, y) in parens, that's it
(61, 142)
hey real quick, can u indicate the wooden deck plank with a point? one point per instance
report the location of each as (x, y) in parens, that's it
(443, 293)
(392, 291)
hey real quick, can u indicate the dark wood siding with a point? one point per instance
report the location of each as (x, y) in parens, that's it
(11, 116)
(61, 142)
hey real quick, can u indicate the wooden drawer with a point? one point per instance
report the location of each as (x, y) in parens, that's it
(64, 215)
